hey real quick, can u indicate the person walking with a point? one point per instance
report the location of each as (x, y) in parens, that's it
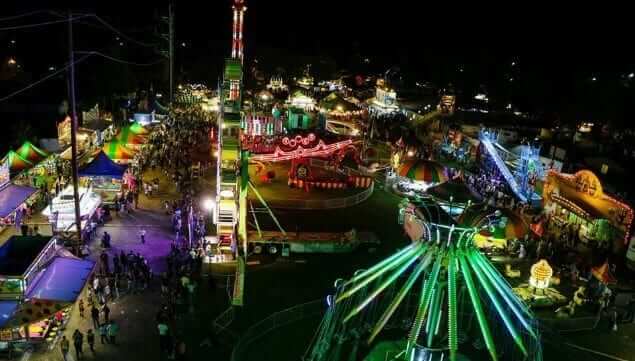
(90, 339)
(142, 236)
(113, 330)
(65, 346)
(103, 333)
(81, 308)
(94, 313)
(164, 336)
(106, 310)
(180, 350)
(78, 340)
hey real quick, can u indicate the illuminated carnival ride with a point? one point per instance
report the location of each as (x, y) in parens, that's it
(440, 291)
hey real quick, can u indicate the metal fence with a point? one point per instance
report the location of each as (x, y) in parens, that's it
(276, 320)
(327, 203)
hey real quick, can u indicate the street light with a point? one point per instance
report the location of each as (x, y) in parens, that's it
(210, 206)
(12, 61)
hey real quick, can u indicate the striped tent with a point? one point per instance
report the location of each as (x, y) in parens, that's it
(127, 136)
(424, 171)
(31, 153)
(137, 128)
(117, 151)
(516, 227)
(16, 162)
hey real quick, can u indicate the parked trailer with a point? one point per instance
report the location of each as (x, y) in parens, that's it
(271, 242)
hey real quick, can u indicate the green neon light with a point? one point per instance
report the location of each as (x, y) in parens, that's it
(424, 303)
(379, 265)
(499, 308)
(504, 291)
(400, 296)
(403, 258)
(393, 277)
(476, 302)
(453, 343)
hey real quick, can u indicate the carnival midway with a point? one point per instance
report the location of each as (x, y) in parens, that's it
(306, 218)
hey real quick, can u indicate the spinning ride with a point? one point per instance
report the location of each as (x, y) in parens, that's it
(440, 289)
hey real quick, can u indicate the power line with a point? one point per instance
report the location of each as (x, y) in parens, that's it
(23, 15)
(17, 27)
(43, 79)
(87, 55)
(115, 30)
(119, 60)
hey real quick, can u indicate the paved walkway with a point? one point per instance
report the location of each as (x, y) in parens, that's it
(135, 314)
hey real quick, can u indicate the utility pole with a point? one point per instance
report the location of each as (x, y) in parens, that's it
(171, 25)
(169, 54)
(71, 88)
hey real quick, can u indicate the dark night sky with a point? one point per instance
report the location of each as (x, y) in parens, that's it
(557, 50)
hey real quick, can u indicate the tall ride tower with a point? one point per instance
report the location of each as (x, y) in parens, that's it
(237, 38)
(232, 175)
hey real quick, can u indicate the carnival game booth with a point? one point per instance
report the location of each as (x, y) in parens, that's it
(104, 176)
(61, 211)
(40, 281)
(577, 203)
(414, 177)
(334, 105)
(12, 196)
(44, 169)
(302, 101)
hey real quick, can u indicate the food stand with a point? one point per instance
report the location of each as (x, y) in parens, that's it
(12, 196)
(40, 281)
(61, 211)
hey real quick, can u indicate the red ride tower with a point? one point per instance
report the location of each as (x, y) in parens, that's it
(237, 41)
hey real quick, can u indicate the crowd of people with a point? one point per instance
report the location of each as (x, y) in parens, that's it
(186, 130)
(179, 285)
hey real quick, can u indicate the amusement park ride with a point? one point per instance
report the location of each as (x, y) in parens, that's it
(258, 138)
(440, 291)
(518, 171)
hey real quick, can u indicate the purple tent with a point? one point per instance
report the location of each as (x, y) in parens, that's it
(62, 280)
(12, 196)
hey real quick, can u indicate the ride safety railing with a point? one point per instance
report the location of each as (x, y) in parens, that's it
(274, 321)
(333, 203)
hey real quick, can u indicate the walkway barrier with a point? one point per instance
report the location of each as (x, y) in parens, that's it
(222, 321)
(276, 320)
